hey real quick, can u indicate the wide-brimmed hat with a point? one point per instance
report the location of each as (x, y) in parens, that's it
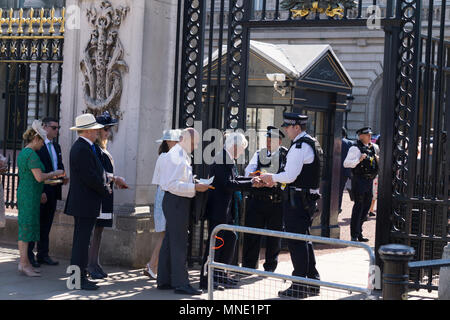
(170, 135)
(39, 128)
(106, 119)
(86, 122)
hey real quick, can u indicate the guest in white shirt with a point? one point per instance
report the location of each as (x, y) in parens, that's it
(168, 141)
(178, 183)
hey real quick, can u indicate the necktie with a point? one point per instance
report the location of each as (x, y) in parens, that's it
(50, 152)
(235, 170)
(93, 149)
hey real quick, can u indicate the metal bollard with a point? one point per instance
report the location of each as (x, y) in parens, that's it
(395, 271)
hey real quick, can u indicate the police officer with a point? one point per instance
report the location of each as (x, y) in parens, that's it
(363, 160)
(264, 208)
(300, 180)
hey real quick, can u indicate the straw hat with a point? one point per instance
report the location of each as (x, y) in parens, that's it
(37, 126)
(170, 135)
(86, 122)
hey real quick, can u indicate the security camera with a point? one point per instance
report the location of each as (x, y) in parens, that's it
(276, 77)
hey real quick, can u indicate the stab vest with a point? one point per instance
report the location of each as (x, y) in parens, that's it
(310, 176)
(368, 168)
(273, 163)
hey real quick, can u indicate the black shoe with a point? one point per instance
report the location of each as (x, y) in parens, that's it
(313, 291)
(371, 214)
(95, 274)
(34, 263)
(362, 239)
(294, 291)
(204, 285)
(164, 287)
(188, 289)
(88, 285)
(226, 282)
(100, 270)
(354, 239)
(47, 260)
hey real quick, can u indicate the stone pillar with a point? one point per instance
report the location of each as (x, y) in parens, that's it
(444, 277)
(147, 38)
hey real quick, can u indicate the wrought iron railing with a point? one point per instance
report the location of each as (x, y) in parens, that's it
(31, 56)
(430, 279)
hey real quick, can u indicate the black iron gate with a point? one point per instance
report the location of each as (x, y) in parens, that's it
(31, 56)
(413, 190)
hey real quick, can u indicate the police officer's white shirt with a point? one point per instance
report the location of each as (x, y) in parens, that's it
(353, 156)
(295, 160)
(176, 173)
(253, 164)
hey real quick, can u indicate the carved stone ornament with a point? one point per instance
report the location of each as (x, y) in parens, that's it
(103, 65)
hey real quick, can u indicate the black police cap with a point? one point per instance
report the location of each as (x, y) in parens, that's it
(274, 132)
(292, 119)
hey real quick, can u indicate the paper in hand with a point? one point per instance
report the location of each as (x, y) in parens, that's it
(206, 181)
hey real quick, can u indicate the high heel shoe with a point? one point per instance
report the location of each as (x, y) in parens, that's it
(149, 272)
(28, 271)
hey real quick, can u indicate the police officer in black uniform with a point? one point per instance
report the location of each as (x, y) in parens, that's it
(363, 160)
(300, 181)
(264, 209)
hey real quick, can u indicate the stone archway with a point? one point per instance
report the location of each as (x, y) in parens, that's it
(374, 95)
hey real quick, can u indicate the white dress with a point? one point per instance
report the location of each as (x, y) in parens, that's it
(158, 214)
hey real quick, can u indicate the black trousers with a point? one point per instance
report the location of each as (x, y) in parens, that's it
(298, 220)
(362, 190)
(47, 213)
(81, 238)
(225, 247)
(172, 265)
(262, 214)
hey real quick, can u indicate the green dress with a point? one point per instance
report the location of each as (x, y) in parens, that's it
(29, 195)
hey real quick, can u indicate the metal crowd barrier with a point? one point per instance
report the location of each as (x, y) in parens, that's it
(211, 264)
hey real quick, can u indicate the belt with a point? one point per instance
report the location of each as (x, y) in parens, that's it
(271, 197)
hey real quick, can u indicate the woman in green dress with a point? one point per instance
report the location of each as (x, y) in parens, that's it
(29, 193)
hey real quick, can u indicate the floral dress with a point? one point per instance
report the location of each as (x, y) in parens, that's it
(29, 195)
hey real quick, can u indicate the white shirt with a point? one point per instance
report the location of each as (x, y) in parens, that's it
(89, 141)
(253, 164)
(295, 160)
(54, 156)
(176, 174)
(353, 156)
(158, 168)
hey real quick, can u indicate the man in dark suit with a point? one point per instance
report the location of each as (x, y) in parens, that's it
(50, 156)
(88, 185)
(219, 204)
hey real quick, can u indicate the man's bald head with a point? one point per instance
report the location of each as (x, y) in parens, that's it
(189, 139)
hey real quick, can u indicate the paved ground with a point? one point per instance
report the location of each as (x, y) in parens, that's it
(343, 265)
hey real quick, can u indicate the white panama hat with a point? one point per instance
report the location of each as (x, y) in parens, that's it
(170, 135)
(86, 122)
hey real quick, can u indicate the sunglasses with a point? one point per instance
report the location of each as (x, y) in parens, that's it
(54, 127)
